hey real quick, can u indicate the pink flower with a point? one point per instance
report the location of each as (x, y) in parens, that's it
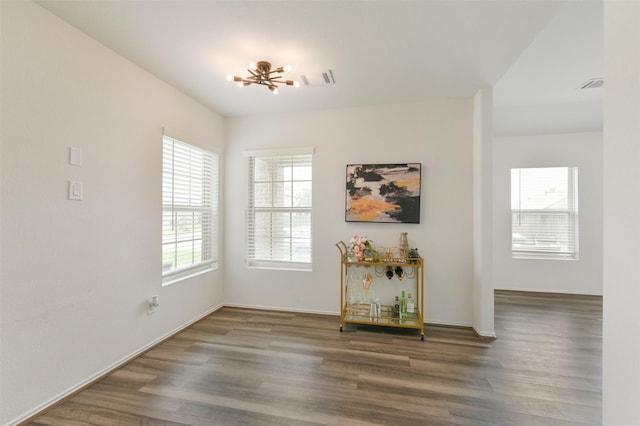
(358, 245)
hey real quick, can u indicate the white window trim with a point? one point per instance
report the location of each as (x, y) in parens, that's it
(280, 152)
(211, 264)
(279, 265)
(572, 210)
(274, 264)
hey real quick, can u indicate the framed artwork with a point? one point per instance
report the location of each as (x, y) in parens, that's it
(388, 193)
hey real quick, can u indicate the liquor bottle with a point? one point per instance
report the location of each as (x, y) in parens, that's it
(413, 255)
(411, 305)
(403, 305)
(396, 308)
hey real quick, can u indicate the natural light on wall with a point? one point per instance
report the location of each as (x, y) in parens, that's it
(544, 213)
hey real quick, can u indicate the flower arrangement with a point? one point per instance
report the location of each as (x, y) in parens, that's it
(360, 248)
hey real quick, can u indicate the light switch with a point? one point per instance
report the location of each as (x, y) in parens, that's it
(75, 190)
(75, 156)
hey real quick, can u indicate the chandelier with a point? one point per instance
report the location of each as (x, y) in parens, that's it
(261, 73)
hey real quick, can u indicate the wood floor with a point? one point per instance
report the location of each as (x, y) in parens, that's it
(250, 367)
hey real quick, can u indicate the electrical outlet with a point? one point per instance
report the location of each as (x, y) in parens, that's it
(153, 305)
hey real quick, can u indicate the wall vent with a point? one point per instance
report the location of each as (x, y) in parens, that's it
(318, 79)
(593, 83)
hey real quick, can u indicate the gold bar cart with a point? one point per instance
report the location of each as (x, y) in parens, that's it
(363, 313)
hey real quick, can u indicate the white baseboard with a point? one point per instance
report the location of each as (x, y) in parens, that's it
(427, 321)
(271, 308)
(105, 371)
(485, 335)
(552, 290)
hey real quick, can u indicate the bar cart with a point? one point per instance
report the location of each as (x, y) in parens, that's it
(365, 309)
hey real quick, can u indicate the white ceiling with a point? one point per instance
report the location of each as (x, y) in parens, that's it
(567, 53)
(379, 51)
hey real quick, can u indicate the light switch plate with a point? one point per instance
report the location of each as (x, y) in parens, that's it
(75, 156)
(75, 190)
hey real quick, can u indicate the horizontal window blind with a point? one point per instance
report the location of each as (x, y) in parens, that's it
(279, 211)
(189, 207)
(544, 212)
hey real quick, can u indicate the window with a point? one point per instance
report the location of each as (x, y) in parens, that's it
(544, 212)
(279, 209)
(189, 210)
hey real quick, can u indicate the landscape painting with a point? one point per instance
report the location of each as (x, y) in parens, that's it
(387, 193)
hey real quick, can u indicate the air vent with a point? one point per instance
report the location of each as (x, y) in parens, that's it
(593, 83)
(318, 79)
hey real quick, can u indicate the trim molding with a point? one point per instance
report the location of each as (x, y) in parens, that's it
(271, 308)
(485, 337)
(28, 417)
(551, 291)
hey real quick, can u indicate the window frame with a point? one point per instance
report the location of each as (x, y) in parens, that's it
(203, 204)
(571, 212)
(251, 209)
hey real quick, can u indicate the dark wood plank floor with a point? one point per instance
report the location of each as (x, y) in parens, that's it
(250, 367)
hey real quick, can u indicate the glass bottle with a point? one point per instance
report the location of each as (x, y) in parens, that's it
(403, 305)
(411, 305)
(389, 272)
(413, 255)
(396, 308)
(353, 287)
(373, 295)
(374, 311)
(403, 244)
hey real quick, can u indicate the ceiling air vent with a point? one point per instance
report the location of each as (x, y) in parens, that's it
(318, 79)
(593, 83)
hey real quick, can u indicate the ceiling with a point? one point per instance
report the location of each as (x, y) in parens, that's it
(379, 52)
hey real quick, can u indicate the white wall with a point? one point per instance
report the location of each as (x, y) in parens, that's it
(583, 276)
(76, 275)
(438, 135)
(621, 369)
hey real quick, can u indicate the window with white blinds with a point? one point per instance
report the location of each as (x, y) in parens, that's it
(279, 210)
(544, 212)
(189, 210)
